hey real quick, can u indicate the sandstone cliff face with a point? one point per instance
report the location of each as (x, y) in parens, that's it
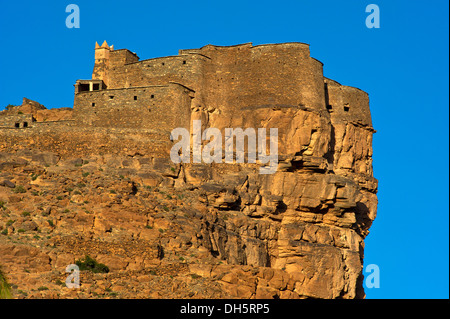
(309, 218)
(194, 230)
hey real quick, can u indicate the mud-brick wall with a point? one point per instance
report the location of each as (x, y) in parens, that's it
(161, 108)
(16, 120)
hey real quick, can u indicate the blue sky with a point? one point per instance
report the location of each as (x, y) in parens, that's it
(403, 66)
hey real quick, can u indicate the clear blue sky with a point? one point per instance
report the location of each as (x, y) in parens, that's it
(403, 66)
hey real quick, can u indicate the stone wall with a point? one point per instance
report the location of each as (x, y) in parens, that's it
(227, 80)
(70, 140)
(185, 69)
(346, 103)
(121, 57)
(245, 76)
(151, 107)
(236, 76)
(16, 121)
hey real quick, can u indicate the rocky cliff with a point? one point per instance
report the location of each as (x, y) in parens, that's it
(194, 230)
(70, 190)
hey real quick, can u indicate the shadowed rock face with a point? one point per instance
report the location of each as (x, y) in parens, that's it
(170, 230)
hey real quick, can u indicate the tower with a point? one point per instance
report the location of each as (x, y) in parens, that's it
(102, 62)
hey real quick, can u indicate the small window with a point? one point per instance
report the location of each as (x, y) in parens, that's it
(111, 97)
(93, 104)
(83, 87)
(163, 63)
(135, 98)
(25, 124)
(346, 108)
(184, 61)
(17, 125)
(152, 96)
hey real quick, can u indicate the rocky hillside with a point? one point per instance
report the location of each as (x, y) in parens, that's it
(171, 231)
(39, 112)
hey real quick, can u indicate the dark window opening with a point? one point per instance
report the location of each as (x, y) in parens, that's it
(17, 125)
(25, 124)
(152, 96)
(346, 108)
(111, 97)
(83, 87)
(93, 104)
(135, 98)
(184, 62)
(163, 63)
(329, 107)
(96, 87)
